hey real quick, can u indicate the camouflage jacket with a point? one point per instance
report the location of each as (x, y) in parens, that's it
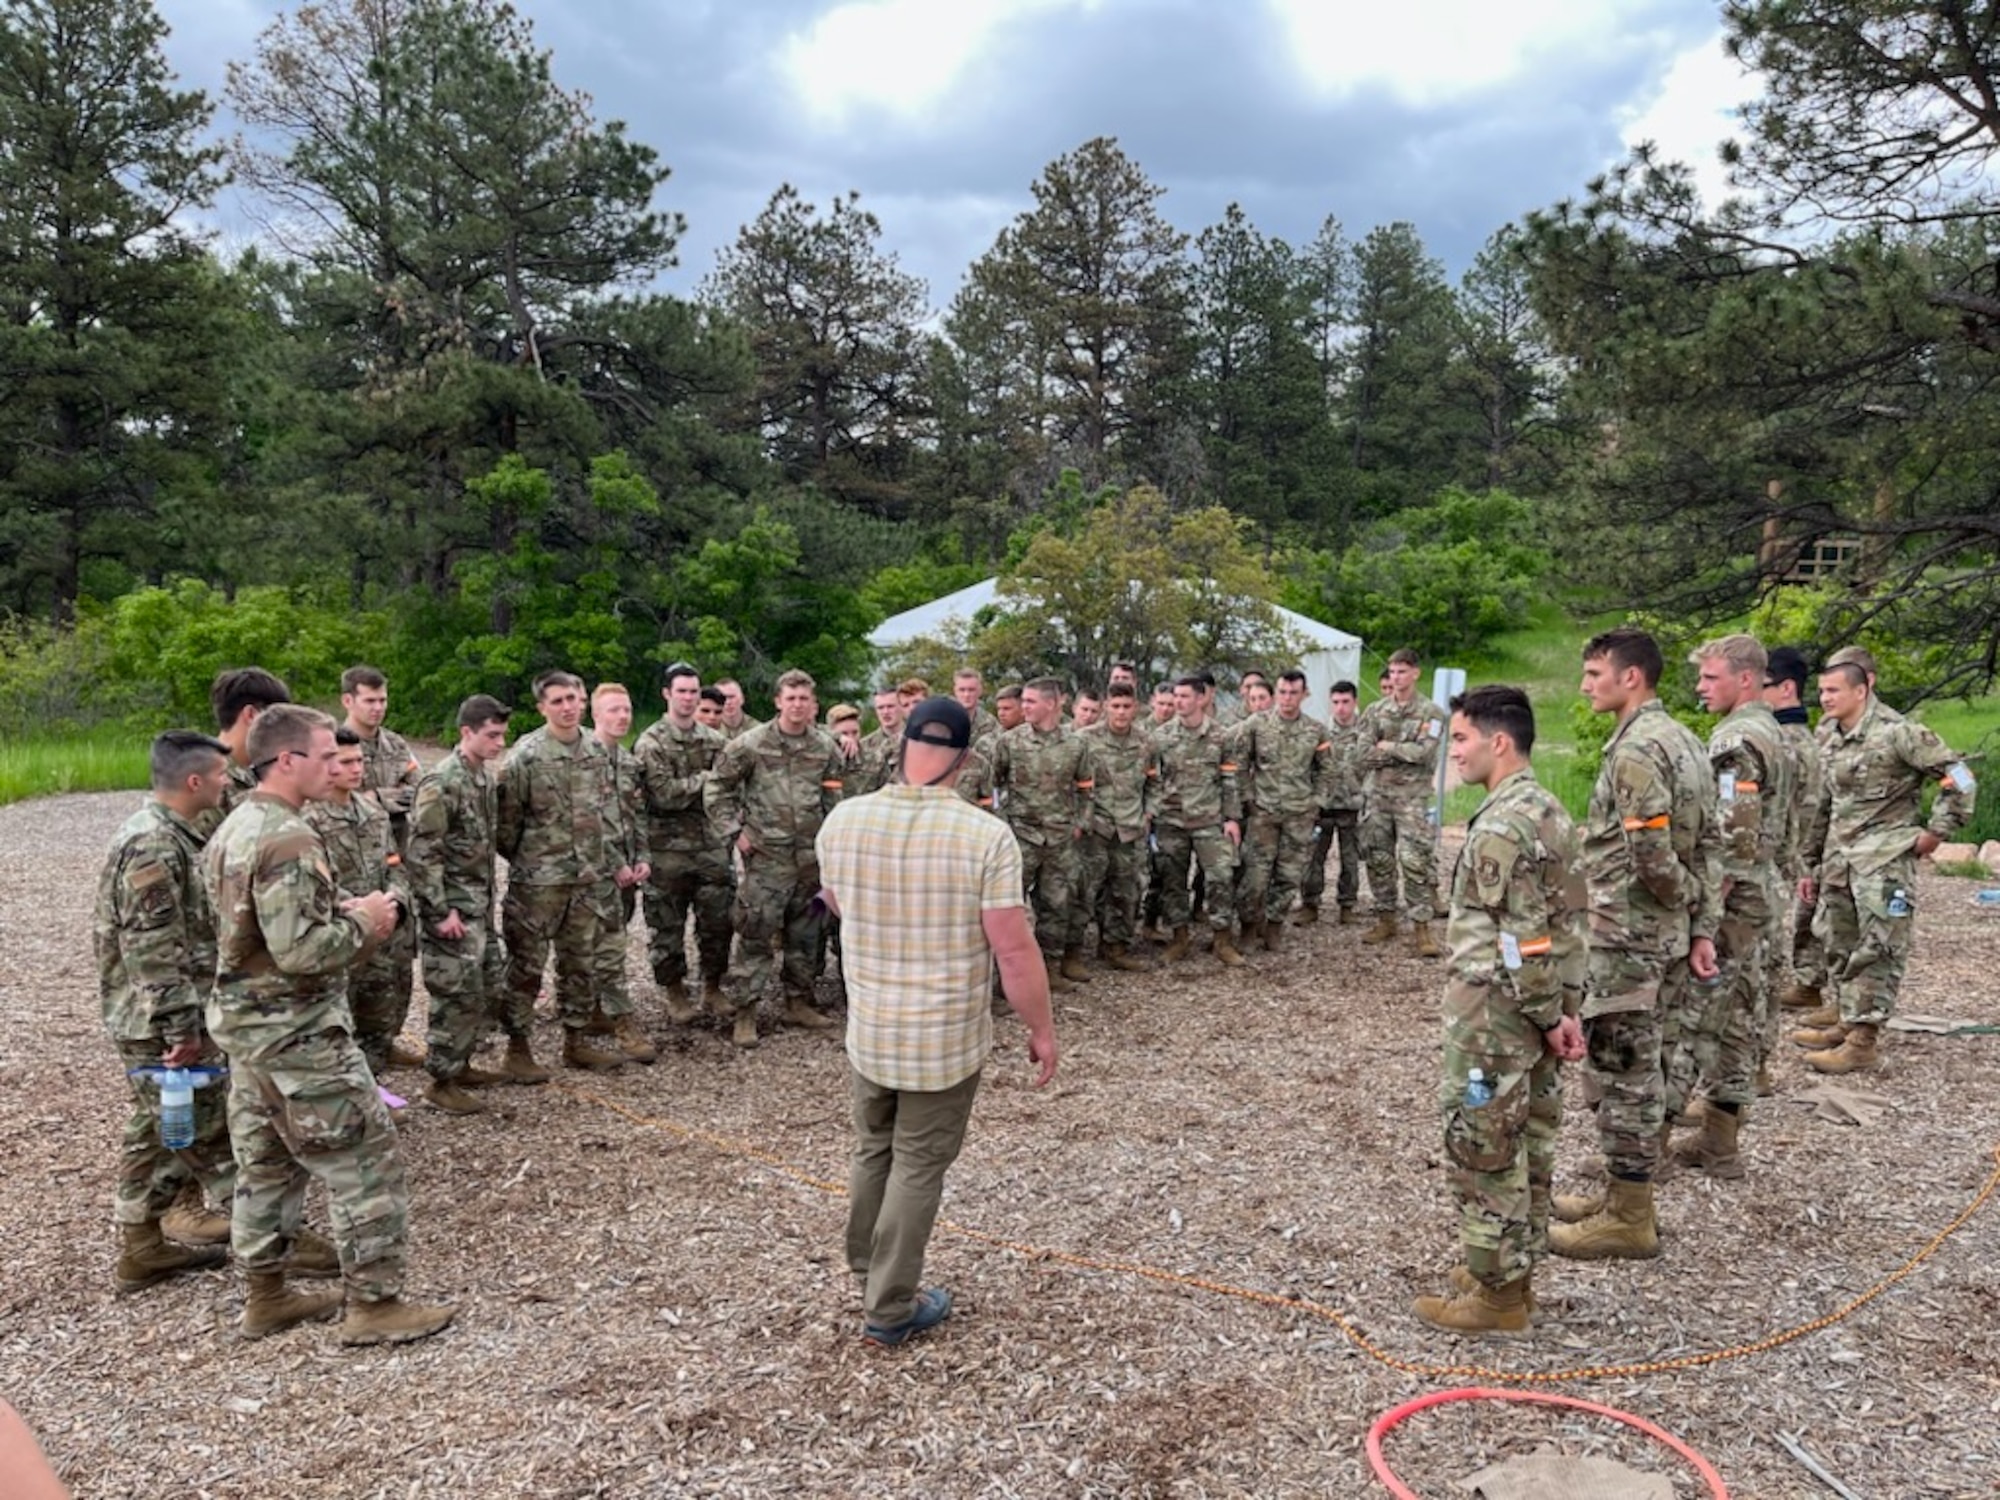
(1650, 840)
(1515, 935)
(1043, 782)
(775, 787)
(985, 729)
(1197, 777)
(630, 802)
(1236, 732)
(975, 778)
(560, 820)
(451, 842)
(1808, 774)
(153, 931)
(361, 847)
(1415, 736)
(1291, 761)
(1126, 771)
(237, 786)
(673, 769)
(880, 762)
(391, 772)
(283, 946)
(1345, 773)
(743, 727)
(1868, 811)
(1753, 789)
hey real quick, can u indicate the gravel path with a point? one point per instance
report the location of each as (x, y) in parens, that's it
(648, 1312)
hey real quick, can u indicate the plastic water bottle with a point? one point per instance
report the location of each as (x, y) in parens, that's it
(1478, 1092)
(176, 1108)
(1899, 902)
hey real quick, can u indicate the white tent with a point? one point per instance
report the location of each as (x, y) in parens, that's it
(1331, 655)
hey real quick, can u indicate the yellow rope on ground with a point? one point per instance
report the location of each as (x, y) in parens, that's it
(1360, 1340)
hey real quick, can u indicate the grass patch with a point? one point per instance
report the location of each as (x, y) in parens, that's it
(106, 762)
(1964, 869)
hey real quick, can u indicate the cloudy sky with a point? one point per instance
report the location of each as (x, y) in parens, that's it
(1457, 115)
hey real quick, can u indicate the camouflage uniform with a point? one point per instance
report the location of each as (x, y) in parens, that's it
(1516, 960)
(1197, 795)
(1789, 947)
(975, 779)
(391, 772)
(303, 1104)
(747, 723)
(1339, 831)
(777, 788)
(362, 849)
(237, 785)
(1861, 848)
(560, 829)
(1647, 848)
(985, 729)
(451, 868)
(1111, 854)
(1043, 783)
(1290, 763)
(1396, 828)
(690, 864)
(879, 763)
(1753, 779)
(155, 944)
(629, 816)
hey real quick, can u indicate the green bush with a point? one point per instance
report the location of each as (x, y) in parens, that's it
(61, 683)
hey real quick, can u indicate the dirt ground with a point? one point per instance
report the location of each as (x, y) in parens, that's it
(652, 1301)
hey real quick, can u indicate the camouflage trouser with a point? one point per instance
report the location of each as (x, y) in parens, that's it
(312, 1113)
(467, 981)
(682, 879)
(1153, 907)
(1397, 837)
(150, 1176)
(1624, 1002)
(570, 919)
(1503, 1155)
(1048, 880)
(1275, 855)
(1210, 847)
(1339, 828)
(1808, 954)
(614, 994)
(378, 992)
(1110, 875)
(772, 904)
(1867, 948)
(1716, 1041)
(1777, 970)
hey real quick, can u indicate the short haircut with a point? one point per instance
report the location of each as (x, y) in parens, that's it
(1253, 675)
(1739, 652)
(1405, 656)
(1343, 686)
(609, 690)
(1787, 664)
(676, 671)
(1855, 656)
(344, 736)
(967, 674)
(1292, 674)
(1127, 668)
(1091, 693)
(723, 684)
(1162, 687)
(1193, 682)
(283, 727)
(180, 753)
(1011, 693)
(556, 679)
(795, 678)
(1205, 680)
(1499, 709)
(238, 688)
(1120, 690)
(1047, 687)
(356, 678)
(713, 694)
(840, 713)
(1849, 672)
(482, 709)
(913, 687)
(1628, 646)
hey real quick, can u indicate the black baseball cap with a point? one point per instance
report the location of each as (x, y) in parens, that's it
(939, 721)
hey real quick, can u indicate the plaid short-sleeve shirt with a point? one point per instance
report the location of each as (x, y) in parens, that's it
(914, 868)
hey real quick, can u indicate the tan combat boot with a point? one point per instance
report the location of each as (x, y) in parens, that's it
(1384, 930)
(1427, 944)
(1179, 947)
(1120, 958)
(599, 1023)
(1766, 1084)
(192, 1222)
(1813, 1038)
(1624, 1230)
(1714, 1150)
(472, 1076)
(452, 1096)
(580, 1052)
(392, 1321)
(270, 1307)
(403, 1056)
(313, 1257)
(1058, 985)
(632, 1041)
(145, 1259)
(1347, 916)
(1305, 916)
(1574, 1208)
(799, 1012)
(1073, 967)
(1225, 949)
(714, 1000)
(1855, 1054)
(1690, 1117)
(1826, 1015)
(744, 1033)
(1462, 1280)
(520, 1065)
(1272, 934)
(1500, 1311)
(1796, 996)
(680, 1010)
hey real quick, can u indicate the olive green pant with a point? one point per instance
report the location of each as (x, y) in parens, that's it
(904, 1140)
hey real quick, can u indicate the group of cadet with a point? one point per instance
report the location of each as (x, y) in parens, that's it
(1653, 943)
(266, 907)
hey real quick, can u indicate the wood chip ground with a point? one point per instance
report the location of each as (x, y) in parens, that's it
(643, 1312)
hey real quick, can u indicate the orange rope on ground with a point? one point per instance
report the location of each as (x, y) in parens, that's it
(1354, 1335)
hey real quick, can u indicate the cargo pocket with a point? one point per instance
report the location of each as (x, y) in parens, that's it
(1484, 1139)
